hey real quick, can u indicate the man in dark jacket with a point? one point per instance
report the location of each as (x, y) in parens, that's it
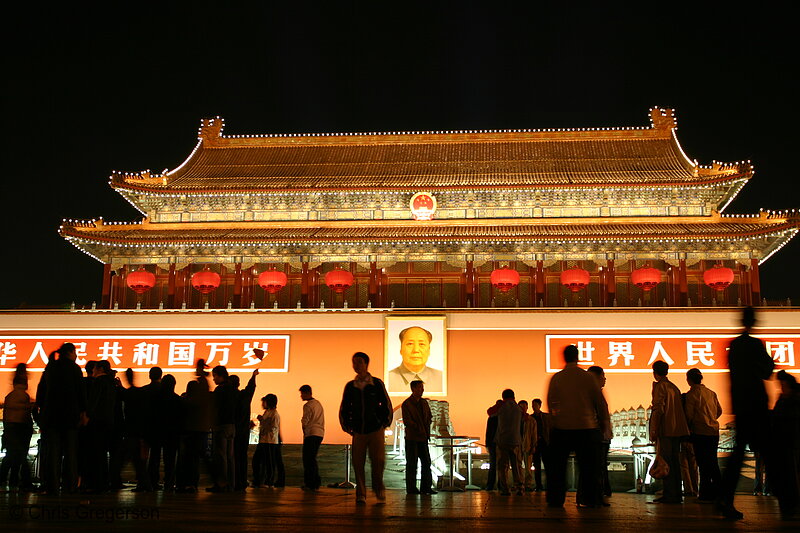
(223, 431)
(102, 396)
(241, 440)
(749, 365)
(61, 400)
(365, 412)
(417, 421)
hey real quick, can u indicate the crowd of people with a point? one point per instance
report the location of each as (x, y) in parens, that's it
(683, 427)
(92, 425)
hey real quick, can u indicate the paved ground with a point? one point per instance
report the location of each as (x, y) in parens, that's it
(293, 510)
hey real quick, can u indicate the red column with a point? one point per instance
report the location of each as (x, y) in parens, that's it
(237, 286)
(755, 282)
(683, 285)
(374, 281)
(469, 279)
(171, 287)
(540, 283)
(304, 283)
(105, 301)
(611, 283)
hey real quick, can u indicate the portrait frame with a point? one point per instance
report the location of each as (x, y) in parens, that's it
(392, 359)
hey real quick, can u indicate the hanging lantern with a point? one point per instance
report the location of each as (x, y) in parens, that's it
(205, 281)
(575, 279)
(272, 280)
(140, 281)
(338, 280)
(504, 279)
(646, 278)
(718, 278)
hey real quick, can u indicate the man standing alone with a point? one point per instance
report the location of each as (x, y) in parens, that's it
(313, 423)
(365, 412)
(749, 365)
(417, 421)
(576, 405)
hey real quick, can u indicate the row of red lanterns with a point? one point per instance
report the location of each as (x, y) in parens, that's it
(646, 278)
(206, 281)
(503, 279)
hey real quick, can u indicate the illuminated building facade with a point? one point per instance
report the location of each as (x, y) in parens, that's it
(424, 219)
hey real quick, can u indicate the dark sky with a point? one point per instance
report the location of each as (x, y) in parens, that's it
(91, 90)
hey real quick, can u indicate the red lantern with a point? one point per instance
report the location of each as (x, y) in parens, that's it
(718, 278)
(575, 279)
(272, 280)
(646, 278)
(338, 280)
(140, 281)
(505, 279)
(205, 281)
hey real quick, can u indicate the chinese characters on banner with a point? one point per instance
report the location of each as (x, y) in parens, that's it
(173, 353)
(636, 353)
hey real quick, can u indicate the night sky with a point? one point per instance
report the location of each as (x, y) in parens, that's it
(91, 90)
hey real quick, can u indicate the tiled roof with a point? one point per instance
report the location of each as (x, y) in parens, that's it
(431, 161)
(376, 232)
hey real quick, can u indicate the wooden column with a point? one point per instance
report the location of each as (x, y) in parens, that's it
(611, 282)
(237, 286)
(755, 283)
(105, 300)
(304, 282)
(540, 284)
(603, 282)
(374, 281)
(469, 278)
(683, 285)
(171, 287)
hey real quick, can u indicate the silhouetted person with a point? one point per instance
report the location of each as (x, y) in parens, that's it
(702, 412)
(364, 413)
(417, 421)
(196, 426)
(604, 485)
(223, 431)
(170, 418)
(507, 442)
(135, 408)
(84, 438)
(17, 432)
(540, 459)
(667, 426)
(529, 435)
(785, 449)
(117, 452)
(241, 440)
(313, 424)
(576, 404)
(102, 395)
(61, 399)
(153, 436)
(491, 447)
(749, 365)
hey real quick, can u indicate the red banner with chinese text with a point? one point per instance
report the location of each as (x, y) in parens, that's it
(636, 353)
(173, 353)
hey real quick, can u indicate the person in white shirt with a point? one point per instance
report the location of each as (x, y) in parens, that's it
(313, 423)
(267, 461)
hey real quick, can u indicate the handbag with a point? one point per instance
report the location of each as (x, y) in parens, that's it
(659, 469)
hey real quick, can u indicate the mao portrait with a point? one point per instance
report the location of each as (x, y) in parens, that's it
(415, 351)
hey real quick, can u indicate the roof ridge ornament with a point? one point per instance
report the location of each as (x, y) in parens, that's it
(211, 129)
(663, 118)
